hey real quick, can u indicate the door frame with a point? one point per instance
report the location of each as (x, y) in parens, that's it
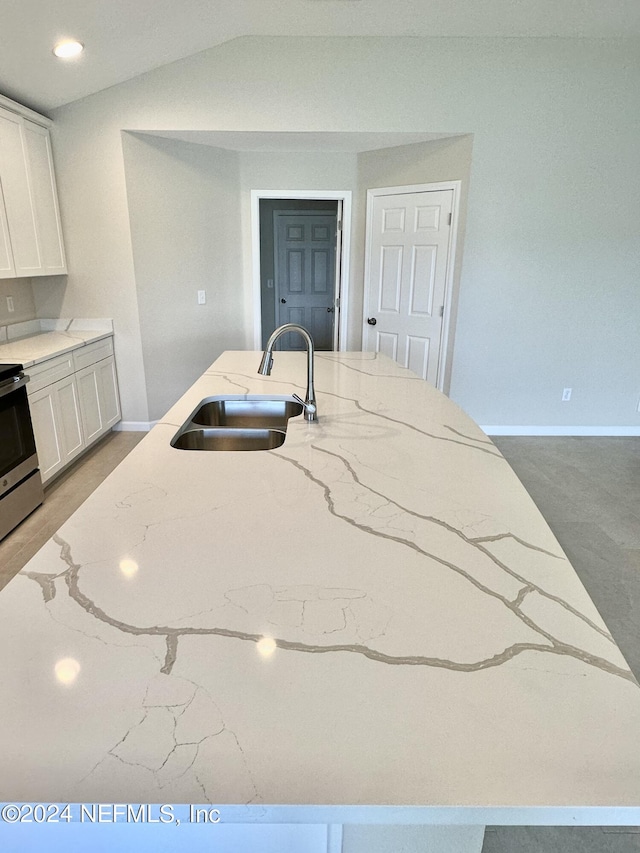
(341, 299)
(372, 194)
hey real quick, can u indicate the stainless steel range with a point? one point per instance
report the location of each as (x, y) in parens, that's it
(20, 483)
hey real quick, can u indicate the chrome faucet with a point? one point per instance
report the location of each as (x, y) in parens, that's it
(309, 403)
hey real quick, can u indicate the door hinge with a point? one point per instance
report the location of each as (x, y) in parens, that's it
(450, 218)
(339, 224)
(442, 310)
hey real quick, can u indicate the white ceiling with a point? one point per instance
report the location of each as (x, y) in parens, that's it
(124, 38)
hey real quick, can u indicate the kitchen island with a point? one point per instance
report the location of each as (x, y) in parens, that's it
(371, 624)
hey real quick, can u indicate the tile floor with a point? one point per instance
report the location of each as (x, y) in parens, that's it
(588, 489)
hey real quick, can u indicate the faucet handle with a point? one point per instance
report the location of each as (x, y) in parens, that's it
(311, 408)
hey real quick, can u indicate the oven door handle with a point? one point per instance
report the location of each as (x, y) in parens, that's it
(13, 385)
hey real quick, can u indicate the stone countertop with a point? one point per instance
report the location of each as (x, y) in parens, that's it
(373, 616)
(35, 341)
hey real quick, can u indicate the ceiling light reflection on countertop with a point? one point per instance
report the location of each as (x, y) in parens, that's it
(67, 670)
(68, 49)
(128, 567)
(266, 647)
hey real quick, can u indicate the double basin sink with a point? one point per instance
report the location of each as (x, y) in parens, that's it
(249, 422)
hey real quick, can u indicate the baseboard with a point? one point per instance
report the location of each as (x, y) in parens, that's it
(134, 426)
(562, 430)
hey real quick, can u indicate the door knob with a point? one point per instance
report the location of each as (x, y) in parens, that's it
(371, 321)
(283, 301)
(329, 310)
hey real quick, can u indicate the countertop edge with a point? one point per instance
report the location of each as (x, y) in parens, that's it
(428, 815)
(17, 350)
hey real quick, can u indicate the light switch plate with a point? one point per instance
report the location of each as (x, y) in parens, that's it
(202, 297)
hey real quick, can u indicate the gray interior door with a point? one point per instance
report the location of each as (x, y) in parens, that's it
(305, 261)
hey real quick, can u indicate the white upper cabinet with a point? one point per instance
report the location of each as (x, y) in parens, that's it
(7, 269)
(30, 232)
(45, 198)
(16, 190)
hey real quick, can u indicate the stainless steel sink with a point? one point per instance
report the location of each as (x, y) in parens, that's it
(252, 412)
(229, 439)
(250, 422)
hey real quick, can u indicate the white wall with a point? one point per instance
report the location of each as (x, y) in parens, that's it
(89, 163)
(548, 295)
(309, 170)
(21, 291)
(185, 220)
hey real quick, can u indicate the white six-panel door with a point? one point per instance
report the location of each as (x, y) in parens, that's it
(407, 260)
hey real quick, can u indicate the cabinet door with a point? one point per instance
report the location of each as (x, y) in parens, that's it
(99, 398)
(55, 414)
(18, 200)
(45, 198)
(45, 418)
(70, 420)
(108, 392)
(7, 269)
(89, 393)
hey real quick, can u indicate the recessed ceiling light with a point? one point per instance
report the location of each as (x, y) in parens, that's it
(67, 49)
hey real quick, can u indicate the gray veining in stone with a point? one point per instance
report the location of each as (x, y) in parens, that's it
(364, 616)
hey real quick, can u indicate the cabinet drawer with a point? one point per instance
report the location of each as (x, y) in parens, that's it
(48, 372)
(91, 353)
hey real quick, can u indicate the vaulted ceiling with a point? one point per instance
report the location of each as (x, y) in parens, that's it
(124, 38)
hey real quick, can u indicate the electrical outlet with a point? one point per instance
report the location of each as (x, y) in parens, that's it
(566, 395)
(10, 305)
(202, 297)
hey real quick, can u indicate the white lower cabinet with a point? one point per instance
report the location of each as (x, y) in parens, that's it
(87, 380)
(71, 413)
(108, 393)
(55, 414)
(99, 403)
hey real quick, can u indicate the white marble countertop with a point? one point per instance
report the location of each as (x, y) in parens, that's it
(35, 341)
(428, 645)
